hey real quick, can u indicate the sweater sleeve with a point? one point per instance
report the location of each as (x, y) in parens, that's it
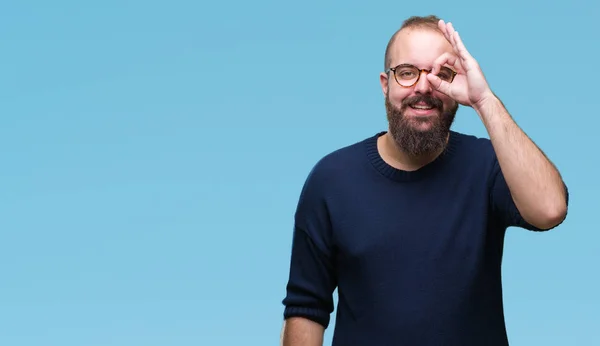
(503, 205)
(309, 291)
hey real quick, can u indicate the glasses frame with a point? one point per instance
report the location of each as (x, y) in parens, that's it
(421, 70)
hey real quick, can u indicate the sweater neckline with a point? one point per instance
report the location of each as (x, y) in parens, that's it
(401, 175)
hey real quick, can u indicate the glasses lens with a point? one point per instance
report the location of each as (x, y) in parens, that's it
(446, 74)
(407, 75)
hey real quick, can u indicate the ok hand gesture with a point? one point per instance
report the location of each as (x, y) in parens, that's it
(469, 87)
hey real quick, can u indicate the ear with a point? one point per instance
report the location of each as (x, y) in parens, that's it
(383, 80)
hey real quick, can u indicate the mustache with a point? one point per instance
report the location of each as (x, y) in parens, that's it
(427, 99)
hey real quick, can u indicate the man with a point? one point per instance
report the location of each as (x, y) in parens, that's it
(409, 224)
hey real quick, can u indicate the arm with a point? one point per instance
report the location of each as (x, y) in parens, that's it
(312, 279)
(534, 183)
(309, 300)
(298, 331)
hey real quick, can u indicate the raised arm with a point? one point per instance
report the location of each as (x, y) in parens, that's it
(535, 184)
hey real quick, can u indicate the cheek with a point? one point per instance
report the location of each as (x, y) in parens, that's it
(448, 101)
(397, 95)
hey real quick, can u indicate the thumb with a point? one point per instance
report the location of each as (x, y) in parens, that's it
(438, 84)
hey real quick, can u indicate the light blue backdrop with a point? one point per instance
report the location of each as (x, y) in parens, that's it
(152, 155)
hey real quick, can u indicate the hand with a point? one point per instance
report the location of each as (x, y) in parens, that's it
(469, 87)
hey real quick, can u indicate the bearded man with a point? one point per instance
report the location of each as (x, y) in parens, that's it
(409, 224)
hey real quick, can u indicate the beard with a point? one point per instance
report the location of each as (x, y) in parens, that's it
(406, 131)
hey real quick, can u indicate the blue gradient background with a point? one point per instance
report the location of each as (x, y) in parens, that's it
(153, 152)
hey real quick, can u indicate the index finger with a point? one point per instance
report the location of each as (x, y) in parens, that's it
(446, 58)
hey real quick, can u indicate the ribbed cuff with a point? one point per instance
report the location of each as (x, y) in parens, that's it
(319, 316)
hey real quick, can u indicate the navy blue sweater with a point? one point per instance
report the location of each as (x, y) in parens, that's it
(415, 256)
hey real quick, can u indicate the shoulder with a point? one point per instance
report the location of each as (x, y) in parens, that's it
(476, 155)
(473, 145)
(474, 149)
(324, 178)
(340, 162)
(340, 167)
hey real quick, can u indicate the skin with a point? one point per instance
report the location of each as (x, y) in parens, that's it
(534, 182)
(421, 48)
(300, 331)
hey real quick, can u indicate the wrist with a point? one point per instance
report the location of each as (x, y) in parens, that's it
(487, 102)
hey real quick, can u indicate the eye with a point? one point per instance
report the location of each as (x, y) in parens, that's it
(445, 74)
(406, 73)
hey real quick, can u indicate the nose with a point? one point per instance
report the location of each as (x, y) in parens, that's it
(423, 86)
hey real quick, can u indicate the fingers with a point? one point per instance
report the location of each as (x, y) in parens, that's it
(460, 47)
(468, 62)
(447, 29)
(438, 84)
(451, 37)
(442, 27)
(451, 32)
(446, 59)
(454, 38)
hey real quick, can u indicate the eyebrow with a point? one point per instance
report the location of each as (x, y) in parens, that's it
(412, 65)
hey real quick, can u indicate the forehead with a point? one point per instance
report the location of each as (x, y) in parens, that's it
(419, 47)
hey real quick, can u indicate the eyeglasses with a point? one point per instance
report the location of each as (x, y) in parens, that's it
(408, 75)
